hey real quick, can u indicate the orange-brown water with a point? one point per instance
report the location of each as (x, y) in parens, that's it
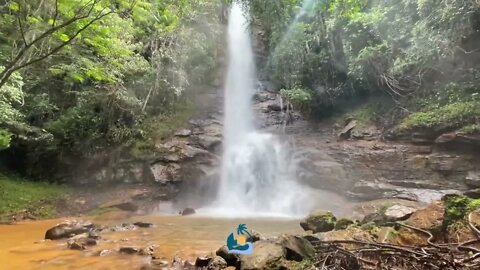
(22, 247)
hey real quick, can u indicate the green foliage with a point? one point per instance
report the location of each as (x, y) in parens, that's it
(104, 73)
(457, 208)
(36, 197)
(447, 117)
(5, 139)
(300, 98)
(351, 48)
(11, 94)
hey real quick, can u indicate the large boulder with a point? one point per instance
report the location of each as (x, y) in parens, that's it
(231, 258)
(82, 241)
(297, 248)
(266, 255)
(68, 229)
(398, 212)
(319, 221)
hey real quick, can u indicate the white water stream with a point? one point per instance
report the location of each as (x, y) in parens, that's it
(257, 177)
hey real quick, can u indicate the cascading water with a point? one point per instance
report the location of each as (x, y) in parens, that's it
(256, 178)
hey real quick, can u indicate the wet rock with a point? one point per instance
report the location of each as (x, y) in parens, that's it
(129, 250)
(162, 264)
(422, 138)
(448, 163)
(297, 248)
(445, 138)
(346, 131)
(187, 265)
(187, 211)
(126, 206)
(275, 107)
(231, 258)
(265, 255)
(473, 179)
(105, 252)
(352, 233)
(203, 261)
(217, 263)
(68, 229)
(143, 224)
(473, 194)
(343, 223)
(420, 149)
(183, 133)
(81, 241)
(398, 212)
(121, 228)
(164, 173)
(319, 221)
(208, 142)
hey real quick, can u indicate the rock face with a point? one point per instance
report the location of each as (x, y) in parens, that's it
(473, 179)
(68, 229)
(319, 221)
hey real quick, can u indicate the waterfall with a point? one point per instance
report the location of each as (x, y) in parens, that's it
(256, 175)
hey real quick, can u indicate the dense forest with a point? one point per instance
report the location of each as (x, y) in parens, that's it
(82, 77)
(421, 56)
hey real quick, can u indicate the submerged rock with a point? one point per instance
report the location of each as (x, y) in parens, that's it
(82, 241)
(187, 211)
(68, 229)
(319, 221)
(143, 224)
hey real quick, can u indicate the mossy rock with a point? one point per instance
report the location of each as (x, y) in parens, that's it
(343, 224)
(319, 221)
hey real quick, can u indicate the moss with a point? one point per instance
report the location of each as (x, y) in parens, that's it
(321, 221)
(38, 198)
(305, 264)
(160, 128)
(457, 207)
(343, 224)
(471, 129)
(453, 115)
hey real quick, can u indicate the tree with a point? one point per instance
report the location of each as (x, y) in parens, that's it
(58, 28)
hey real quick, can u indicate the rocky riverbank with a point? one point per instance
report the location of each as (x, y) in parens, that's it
(443, 234)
